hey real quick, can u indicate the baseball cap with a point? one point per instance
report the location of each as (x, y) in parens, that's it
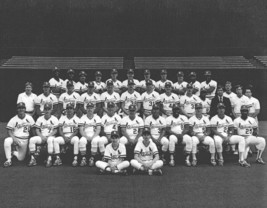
(114, 71)
(149, 82)
(163, 71)
(98, 73)
(198, 105)
(147, 71)
(114, 134)
(70, 105)
(244, 108)
(131, 82)
(175, 106)
(28, 84)
(91, 84)
(146, 130)
(180, 74)
(168, 84)
(70, 71)
(111, 105)
(70, 83)
(90, 105)
(193, 74)
(47, 106)
(220, 105)
(109, 83)
(189, 85)
(82, 73)
(130, 71)
(55, 69)
(207, 73)
(132, 107)
(21, 105)
(156, 106)
(46, 84)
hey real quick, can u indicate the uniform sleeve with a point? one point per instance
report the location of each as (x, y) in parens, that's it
(137, 148)
(123, 123)
(207, 122)
(78, 98)
(186, 121)
(213, 122)
(118, 119)
(11, 124)
(38, 123)
(141, 121)
(102, 97)
(168, 122)
(103, 121)
(123, 151)
(37, 101)
(122, 97)
(154, 149)
(107, 155)
(191, 122)
(254, 123)
(56, 122)
(157, 97)
(118, 98)
(163, 122)
(230, 121)
(236, 123)
(98, 121)
(257, 104)
(61, 121)
(61, 98)
(182, 101)
(147, 124)
(138, 99)
(142, 97)
(161, 97)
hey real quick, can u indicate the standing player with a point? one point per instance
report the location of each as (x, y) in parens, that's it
(68, 131)
(188, 102)
(71, 74)
(160, 85)
(209, 85)
(100, 86)
(253, 104)
(130, 97)
(223, 129)
(56, 83)
(149, 98)
(117, 84)
(178, 128)
(206, 102)
(46, 129)
(46, 97)
(28, 98)
(81, 86)
(200, 131)
(246, 126)
(195, 84)
(228, 91)
(130, 75)
(18, 130)
(90, 127)
(114, 157)
(157, 126)
(146, 155)
(180, 85)
(238, 101)
(168, 99)
(143, 82)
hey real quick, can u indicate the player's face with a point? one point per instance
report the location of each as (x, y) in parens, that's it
(90, 110)
(221, 111)
(130, 75)
(220, 92)
(192, 78)
(244, 113)
(82, 79)
(228, 87)
(111, 111)
(208, 77)
(199, 111)
(176, 112)
(180, 78)
(98, 78)
(155, 112)
(168, 89)
(203, 95)
(163, 76)
(70, 88)
(114, 75)
(131, 87)
(132, 113)
(115, 139)
(248, 93)
(70, 111)
(56, 73)
(71, 76)
(189, 90)
(47, 111)
(90, 90)
(110, 88)
(239, 91)
(147, 76)
(146, 136)
(21, 111)
(149, 87)
(46, 90)
(28, 89)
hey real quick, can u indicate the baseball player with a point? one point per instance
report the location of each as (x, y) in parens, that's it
(148, 99)
(81, 86)
(200, 131)
(223, 130)
(46, 97)
(196, 84)
(109, 122)
(238, 101)
(206, 102)
(178, 129)
(143, 82)
(28, 98)
(68, 97)
(209, 85)
(46, 129)
(18, 129)
(90, 127)
(146, 155)
(117, 84)
(253, 104)
(188, 102)
(180, 85)
(100, 86)
(130, 76)
(168, 99)
(90, 96)
(114, 157)
(157, 126)
(68, 130)
(130, 97)
(160, 85)
(228, 91)
(56, 83)
(71, 75)
(246, 126)
(131, 127)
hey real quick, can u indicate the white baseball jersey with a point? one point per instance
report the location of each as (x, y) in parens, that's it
(58, 84)
(125, 83)
(21, 127)
(197, 85)
(106, 97)
(146, 153)
(149, 100)
(64, 86)
(205, 85)
(143, 83)
(177, 124)
(245, 127)
(80, 88)
(69, 125)
(46, 126)
(130, 98)
(132, 126)
(155, 125)
(115, 155)
(85, 98)
(222, 125)
(206, 106)
(110, 123)
(253, 104)
(237, 102)
(66, 98)
(180, 86)
(168, 101)
(90, 125)
(28, 100)
(199, 125)
(161, 85)
(188, 103)
(117, 84)
(231, 96)
(41, 100)
(100, 85)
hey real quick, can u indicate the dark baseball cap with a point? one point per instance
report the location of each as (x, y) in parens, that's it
(70, 105)
(90, 105)
(131, 82)
(156, 106)
(198, 105)
(70, 71)
(111, 105)
(168, 84)
(207, 73)
(98, 73)
(109, 83)
(28, 84)
(220, 105)
(91, 84)
(163, 71)
(132, 107)
(147, 71)
(82, 73)
(48, 106)
(146, 130)
(114, 134)
(46, 84)
(180, 74)
(70, 83)
(149, 82)
(193, 74)
(114, 71)
(130, 71)
(55, 69)
(21, 105)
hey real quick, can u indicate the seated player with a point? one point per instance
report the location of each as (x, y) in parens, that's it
(143, 82)
(180, 85)
(206, 102)
(130, 76)
(200, 131)
(68, 130)
(117, 83)
(114, 157)
(100, 86)
(157, 126)
(56, 83)
(160, 85)
(131, 127)
(246, 126)
(146, 155)
(90, 127)
(81, 86)
(46, 129)
(178, 128)
(223, 129)
(18, 130)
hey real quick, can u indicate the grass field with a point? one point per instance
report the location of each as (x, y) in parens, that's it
(203, 186)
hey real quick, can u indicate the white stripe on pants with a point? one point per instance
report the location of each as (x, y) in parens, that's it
(37, 140)
(60, 141)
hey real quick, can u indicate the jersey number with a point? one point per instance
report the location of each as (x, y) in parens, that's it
(249, 131)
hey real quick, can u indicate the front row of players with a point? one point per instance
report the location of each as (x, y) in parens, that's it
(158, 132)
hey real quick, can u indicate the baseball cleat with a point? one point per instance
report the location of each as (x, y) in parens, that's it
(7, 164)
(48, 163)
(159, 172)
(74, 163)
(83, 162)
(194, 163)
(172, 163)
(220, 162)
(187, 163)
(91, 162)
(164, 161)
(244, 164)
(260, 161)
(32, 162)
(57, 162)
(150, 172)
(213, 162)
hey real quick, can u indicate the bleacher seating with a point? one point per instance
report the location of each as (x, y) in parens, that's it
(213, 62)
(262, 59)
(79, 63)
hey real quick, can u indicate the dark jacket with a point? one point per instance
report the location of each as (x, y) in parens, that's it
(226, 102)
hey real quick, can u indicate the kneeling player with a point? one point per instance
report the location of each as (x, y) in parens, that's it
(46, 128)
(90, 126)
(114, 156)
(18, 129)
(68, 130)
(146, 155)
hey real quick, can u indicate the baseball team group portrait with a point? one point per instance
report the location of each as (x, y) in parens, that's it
(133, 104)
